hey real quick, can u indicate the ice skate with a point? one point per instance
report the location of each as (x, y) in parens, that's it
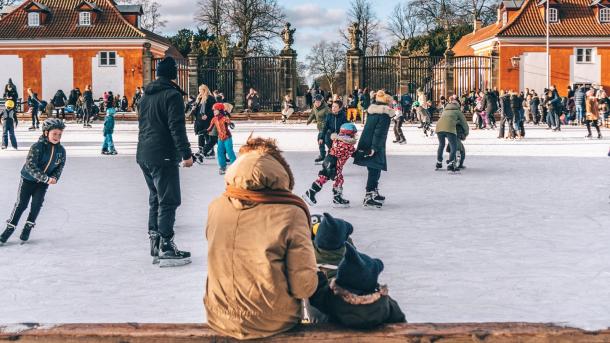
(451, 167)
(154, 245)
(10, 228)
(338, 200)
(310, 195)
(170, 256)
(222, 171)
(589, 136)
(370, 202)
(27, 229)
(378, 197)
(113, 152)
(439, 166)
(599, 136)
(319, 160)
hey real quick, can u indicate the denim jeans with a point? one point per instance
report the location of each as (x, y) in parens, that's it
(8, 130)
(225, 147)
(452, 138)
(580, 113)
(108, 143)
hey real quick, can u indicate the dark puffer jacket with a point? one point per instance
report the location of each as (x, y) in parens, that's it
(505, 107)
(332, 124)
(44, 161)
(374, 137)
(162, 128)
(202, 124)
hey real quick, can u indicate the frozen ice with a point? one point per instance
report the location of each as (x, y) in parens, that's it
(521, 235)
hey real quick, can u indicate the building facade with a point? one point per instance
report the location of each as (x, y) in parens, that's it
(48, 45)
(579, 32)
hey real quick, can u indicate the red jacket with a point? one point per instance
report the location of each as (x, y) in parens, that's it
(222, 126)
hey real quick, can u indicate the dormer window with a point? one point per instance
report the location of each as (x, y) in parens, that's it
(84, 19)
(553, 15)
(33, 19)
(604, 15)
(504, 18)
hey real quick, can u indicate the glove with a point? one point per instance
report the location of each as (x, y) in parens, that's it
(231, 126)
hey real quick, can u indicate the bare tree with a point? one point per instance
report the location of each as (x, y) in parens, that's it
(485, 10)
(440, 13)
(151, 20)
(326, 60)
(213, 15)
(4, 3)
(403, 22)
(361, 12)
(254, 22)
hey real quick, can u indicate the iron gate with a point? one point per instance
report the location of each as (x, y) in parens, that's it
(382, 72)
(183, 72)
(472, 73)
(265, 75)
(218, 73)
(427, 73)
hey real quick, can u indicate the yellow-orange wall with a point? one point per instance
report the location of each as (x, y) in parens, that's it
(560, 66)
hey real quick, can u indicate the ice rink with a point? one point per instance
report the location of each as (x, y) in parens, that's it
(523, 234)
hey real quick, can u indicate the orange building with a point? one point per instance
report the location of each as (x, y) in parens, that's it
(579, 33)
(48, 45)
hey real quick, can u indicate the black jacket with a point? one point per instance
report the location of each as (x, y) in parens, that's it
(162, 128)
(374, 137)
(45, 160)
(202, 125)
(59, 99)
(332, 124)
(490, 103)
(505, 107)
(11, 94)
(88, 99)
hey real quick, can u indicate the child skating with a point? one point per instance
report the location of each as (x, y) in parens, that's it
(42, 168)
(108, 146)
(342, 149)
(9, 122)
(223, 124)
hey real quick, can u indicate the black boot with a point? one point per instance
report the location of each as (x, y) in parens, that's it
(155, 238)
(338, 200)
(10, 228)
(170, 256)
(378, 197)
(452, 167)
(369, 201)
(439, 165)
(27, 229)
(319, 159)
(403, 140)
(310, 195)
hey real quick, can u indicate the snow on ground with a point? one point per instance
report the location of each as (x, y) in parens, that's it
(521, 235)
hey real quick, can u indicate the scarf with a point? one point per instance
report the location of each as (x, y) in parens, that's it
(268, 197)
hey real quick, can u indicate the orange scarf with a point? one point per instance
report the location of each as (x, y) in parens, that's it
(268, 197)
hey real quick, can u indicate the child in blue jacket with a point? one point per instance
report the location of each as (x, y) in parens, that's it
(108, 146)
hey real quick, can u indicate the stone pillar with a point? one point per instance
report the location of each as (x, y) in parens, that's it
(354, 70)
(448, 72)
(495, 70)
(147, 64)
(288, 59)
(193, 84)
(404, 77)
(239, 91)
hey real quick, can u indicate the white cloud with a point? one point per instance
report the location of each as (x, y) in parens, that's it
(314, 16)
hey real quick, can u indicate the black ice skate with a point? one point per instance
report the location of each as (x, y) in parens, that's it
(170, 256)
(319, 160)
(222, 171)
(27, 229)
(338, 200)
(378, 197)
(370, 202)
(451, 167)
(310, 195)
(10, 228)
(439, 165)
(155, 238)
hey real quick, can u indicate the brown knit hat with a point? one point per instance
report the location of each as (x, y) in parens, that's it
(380, 96)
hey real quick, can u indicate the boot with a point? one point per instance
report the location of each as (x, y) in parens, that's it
(10, 228)
(451, 167)
(338, 200)
(170, 256)
(439, 165)
(222, 170)
(155, 238)
(319, 159)
(403, 140)
(369, 201)
(27, 229)
(310, 195)
(378, 197)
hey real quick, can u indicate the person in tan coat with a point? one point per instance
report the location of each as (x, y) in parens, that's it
(592, 114)
(261, 260)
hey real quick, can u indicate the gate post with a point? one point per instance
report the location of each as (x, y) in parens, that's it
(448, 73)
(288, 60)
(495, 69)
(193, 82)
(147, 64)
(354, 68)
(238, 64)
(403, 76)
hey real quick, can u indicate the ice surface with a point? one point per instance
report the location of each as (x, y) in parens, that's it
(521, 235)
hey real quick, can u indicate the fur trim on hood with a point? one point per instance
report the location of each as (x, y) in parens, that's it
(381, 109)
(355, 299)
(344, 138)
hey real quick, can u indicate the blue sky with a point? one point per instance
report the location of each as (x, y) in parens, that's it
(314, 19)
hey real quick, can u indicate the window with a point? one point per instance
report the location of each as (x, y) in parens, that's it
(108, 58)
(84, 18)
(504, 18)
(553, 15)
(604, 15)
(584, 55)
(33, 19)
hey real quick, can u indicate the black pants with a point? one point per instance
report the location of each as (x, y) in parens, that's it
(491, 117)
(35, 121)
(208, 149)
(372, 182)
(452, 138)
(595, 125)
(511, 130)
(87, 115)
(164, 198)
(322, 148)
(61, 112)
(398, 128)
(28, 190)
(203, 138)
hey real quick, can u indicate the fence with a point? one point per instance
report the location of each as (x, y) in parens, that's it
(266, 76)
(183, 72)
(218, 74)
(382, 72)
(472, 73)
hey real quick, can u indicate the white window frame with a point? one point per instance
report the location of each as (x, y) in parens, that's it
(105, 59)
(584, 55)
(84, 18)
(604, 15)
(33, 19)
(504, 18)
(553, 15)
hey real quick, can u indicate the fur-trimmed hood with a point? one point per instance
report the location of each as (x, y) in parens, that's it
(381, 109)
(355, 299)
(344, 138)
(260, 166)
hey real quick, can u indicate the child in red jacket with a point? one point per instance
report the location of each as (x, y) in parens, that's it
(222, 123)
(332, 168)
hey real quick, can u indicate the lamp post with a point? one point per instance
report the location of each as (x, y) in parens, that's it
(548, 52)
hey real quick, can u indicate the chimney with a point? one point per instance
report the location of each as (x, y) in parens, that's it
(478, 24)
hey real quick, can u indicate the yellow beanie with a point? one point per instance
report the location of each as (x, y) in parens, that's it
(9, 104)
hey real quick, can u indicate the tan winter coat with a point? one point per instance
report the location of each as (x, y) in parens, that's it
(591, 107)
(261, 259)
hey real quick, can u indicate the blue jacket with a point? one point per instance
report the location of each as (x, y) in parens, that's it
(109, 124)
(333, 124)
(44, 161)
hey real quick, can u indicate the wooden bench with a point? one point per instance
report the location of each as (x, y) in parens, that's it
(200, 333)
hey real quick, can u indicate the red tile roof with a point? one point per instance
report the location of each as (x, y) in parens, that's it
(462, 47)
(62, 23)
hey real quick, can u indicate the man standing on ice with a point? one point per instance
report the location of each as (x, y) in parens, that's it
(162, 145)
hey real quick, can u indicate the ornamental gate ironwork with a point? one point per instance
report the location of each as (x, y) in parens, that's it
(183, 72)
(472, 73)
(266, 76)
(218, 73)
(382, 72)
